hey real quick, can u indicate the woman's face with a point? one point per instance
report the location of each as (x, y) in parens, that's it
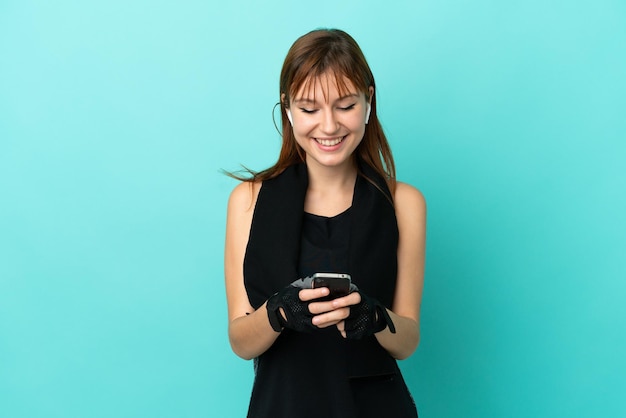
(326, 124)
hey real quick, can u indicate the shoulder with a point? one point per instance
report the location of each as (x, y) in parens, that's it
(239, 219)
(243, 197)
(408, 199)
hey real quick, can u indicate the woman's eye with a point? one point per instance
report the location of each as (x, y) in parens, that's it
(348, 107)
(308, 110)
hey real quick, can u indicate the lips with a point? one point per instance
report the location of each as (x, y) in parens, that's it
(329, 142)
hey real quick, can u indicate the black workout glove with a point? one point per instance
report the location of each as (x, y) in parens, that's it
(367, 318)
(297, 312)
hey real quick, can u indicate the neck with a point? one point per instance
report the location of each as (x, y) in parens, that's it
(323, 178)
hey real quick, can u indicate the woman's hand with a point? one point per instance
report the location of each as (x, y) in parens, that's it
(332, 312)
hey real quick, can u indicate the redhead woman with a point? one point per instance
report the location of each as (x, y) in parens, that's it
(324, 256)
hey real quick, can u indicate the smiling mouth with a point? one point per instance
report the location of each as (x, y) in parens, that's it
(330, 141)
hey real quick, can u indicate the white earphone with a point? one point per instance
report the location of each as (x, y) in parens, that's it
(289, 116)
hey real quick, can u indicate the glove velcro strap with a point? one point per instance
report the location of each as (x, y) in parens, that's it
(273, 313)
(384, 320)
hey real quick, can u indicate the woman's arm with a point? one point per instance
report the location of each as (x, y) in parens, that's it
(411, 214)
(249, 331)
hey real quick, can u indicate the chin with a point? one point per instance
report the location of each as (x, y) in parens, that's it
(334, 161)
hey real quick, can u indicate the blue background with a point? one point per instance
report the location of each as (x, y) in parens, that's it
(116, 117)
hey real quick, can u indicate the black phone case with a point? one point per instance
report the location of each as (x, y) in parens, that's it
(338, 286)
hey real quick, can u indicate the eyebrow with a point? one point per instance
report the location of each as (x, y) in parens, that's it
(305, 100)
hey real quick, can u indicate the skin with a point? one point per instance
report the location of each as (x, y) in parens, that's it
(320, 114)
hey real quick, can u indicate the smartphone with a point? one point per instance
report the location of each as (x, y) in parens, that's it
(337, 283)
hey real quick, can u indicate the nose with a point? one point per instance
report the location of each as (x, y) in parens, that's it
(329, 124)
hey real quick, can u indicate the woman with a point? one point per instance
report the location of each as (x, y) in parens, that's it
(329, 204)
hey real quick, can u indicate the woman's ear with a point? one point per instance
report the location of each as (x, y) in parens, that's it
(284, 103)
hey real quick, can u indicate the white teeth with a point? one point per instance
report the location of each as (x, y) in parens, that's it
(329, 142)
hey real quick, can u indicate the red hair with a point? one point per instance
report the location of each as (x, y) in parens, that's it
(332, 52)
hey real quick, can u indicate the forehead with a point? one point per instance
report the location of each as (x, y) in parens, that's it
(330, 86)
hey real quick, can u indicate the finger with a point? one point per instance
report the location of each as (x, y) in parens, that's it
(321, 307)
(349, 300)
(341, 326)
(342, 302)
(326, 324)
(331, 318)
(311, 294)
